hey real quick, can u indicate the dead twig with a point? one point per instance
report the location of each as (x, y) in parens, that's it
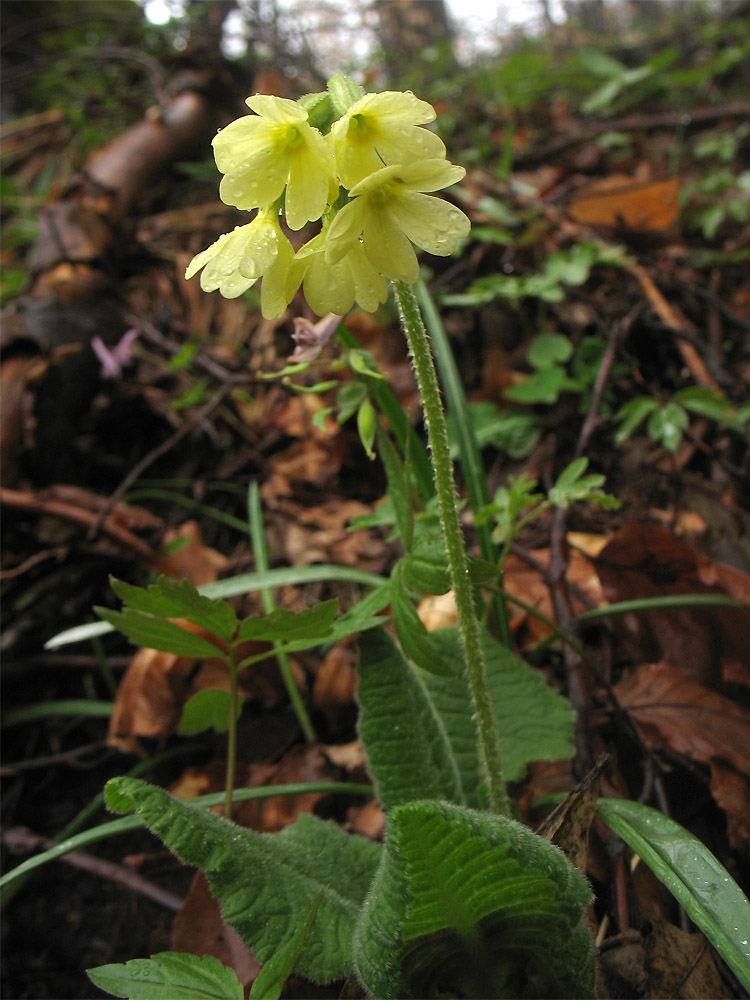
(19, 839)
(42, 503)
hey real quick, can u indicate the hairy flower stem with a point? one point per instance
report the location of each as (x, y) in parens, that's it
(489, 745)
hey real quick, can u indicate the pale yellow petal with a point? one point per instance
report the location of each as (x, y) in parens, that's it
(431, 223)
(308, 185)
(388, 250)
(430, 175)
(345, 230)
(277, 109)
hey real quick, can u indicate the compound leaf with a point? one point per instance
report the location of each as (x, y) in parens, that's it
(168, 598)
(408, 750)
(159, 633)
(283, 625)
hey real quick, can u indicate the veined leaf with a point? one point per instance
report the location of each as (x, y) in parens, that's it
(533, 721)
(169, 598)
(408, 750)
(426, 566)
(284, 625)
(706, 890)
(270, 980)
(170, 975)
(267, 883)
(418, 728)
(470, 904)
(159, 633)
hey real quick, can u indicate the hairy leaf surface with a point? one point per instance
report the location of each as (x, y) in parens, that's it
(468, 904)
(418, 728)
(267, 884)
(408, 750)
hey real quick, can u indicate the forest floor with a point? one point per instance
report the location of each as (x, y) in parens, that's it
(601, 308)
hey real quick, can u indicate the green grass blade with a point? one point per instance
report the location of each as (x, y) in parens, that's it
(700, 884)
(260, 552)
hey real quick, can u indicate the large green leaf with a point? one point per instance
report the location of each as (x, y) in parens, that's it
(468, 904)
(408, 750)
(418, 728)
(706, 890)
(170, 975)
(267, 883)
(533, 721)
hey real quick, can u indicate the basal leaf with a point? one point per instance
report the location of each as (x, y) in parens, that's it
(159, 633)
(170, 975)
(283, 625)
(267, 883)
(533, 721)
(470, 904)
(170, 598)
(407, 746)
(700, 883)
(270, 980)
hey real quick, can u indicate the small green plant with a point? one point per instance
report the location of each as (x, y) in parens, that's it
(720, 194)
(667, 421)
(460, 899)
(563, 267)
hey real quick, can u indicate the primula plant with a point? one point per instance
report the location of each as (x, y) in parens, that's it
(460, 900)
(364, 176)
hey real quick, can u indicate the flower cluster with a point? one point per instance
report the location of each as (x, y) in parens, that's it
(362, 165)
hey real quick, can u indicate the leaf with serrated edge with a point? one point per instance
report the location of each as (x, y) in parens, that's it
(159, 633)
(207, 709)
(471, 904)
(170, 975)
(408, 750)
(170, 598)
(697, 880)
(285, 625)
(533, 721)
(266, 883)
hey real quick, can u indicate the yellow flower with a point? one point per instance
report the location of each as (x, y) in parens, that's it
(236, 260)
(389, 211)
(380, 130)
(274, 149)
(335, 287)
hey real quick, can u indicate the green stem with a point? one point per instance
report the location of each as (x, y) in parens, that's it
(424, 367)
(231, 734)
(260, 552)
